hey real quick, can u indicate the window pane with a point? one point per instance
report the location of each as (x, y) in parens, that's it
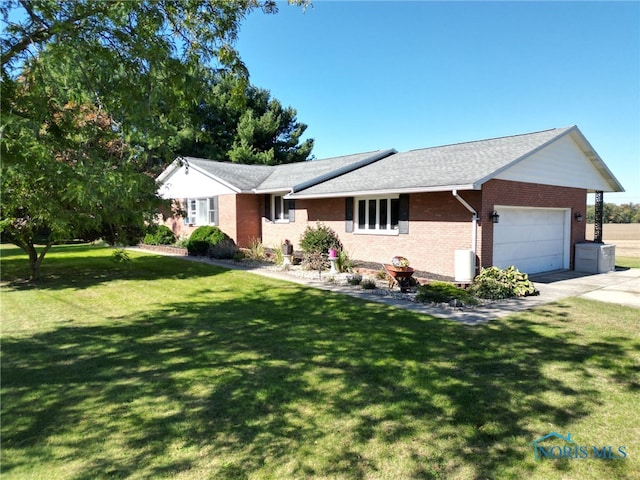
(372, 214)
(395, 209)
(384, 203)
(203, 212)
(362, 214)
(285, 209)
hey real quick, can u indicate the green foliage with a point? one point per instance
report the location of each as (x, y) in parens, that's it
(495, 283)
(244, 124)
(614, 213)
(204, 238)
(160, 235)
(319, 239)
(120, 255)
(443, 292)
(97, 96)
(256, 250)
(355, 279)
(344, 263)
(226, 249)
(315, 243)
(368, 284)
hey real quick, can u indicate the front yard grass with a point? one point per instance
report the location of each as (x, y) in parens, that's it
(176, 369)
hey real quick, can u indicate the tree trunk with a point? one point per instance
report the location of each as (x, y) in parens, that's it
(35, 260)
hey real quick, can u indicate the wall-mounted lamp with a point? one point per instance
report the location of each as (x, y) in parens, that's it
(495, 218)
(578, 217)
(183, 162)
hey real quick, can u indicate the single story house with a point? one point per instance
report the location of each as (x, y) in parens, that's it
(517, 200)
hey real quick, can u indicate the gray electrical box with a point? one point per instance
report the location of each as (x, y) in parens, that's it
(595, 257)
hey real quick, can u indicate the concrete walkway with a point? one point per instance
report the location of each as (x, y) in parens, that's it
(621, 287)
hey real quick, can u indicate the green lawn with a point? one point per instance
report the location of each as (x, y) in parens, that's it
(167, 368)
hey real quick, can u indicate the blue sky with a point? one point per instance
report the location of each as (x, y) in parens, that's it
(371, 75)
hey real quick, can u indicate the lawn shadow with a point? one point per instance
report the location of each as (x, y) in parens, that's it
(302, 382)
(81, 266)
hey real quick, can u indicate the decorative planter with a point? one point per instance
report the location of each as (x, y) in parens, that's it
(287, 248)
(399, 275)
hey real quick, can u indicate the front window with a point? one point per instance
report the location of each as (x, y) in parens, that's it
(201, 211)
(377, 215)
(280, 208)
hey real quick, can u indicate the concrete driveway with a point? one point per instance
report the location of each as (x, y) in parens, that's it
(621, 286)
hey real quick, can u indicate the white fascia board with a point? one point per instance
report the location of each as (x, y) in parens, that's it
(270, 190)
(597, 161)
(364, 193)
(169, 170)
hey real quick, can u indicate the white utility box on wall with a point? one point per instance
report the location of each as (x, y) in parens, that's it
(465, 265)
(595, 257)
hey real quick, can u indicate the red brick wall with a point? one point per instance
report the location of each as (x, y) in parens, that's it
(248, 218)
(438, 223)
(503, 192)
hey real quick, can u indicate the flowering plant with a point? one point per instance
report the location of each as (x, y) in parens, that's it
(399, 261)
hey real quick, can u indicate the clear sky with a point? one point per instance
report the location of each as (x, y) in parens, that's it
(371, 75)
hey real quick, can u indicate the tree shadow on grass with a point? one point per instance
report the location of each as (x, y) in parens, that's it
(290, 383)
(82, 266)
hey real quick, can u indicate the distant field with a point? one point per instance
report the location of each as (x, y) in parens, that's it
(625, 236)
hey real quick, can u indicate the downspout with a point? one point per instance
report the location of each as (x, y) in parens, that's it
(474, 220)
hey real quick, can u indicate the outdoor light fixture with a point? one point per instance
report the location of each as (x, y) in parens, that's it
(183, 162)
(495, 218)
(578, 217)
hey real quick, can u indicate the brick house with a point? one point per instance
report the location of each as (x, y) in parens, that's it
(515, 200)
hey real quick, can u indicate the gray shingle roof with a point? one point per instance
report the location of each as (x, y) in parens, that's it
(242, 177)
(459, 165)
(280, 178)
(284, 177)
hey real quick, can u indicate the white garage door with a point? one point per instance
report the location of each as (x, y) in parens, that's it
(532, 239)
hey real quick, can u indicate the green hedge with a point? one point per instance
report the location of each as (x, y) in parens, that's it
(159, 235)
(211, 241)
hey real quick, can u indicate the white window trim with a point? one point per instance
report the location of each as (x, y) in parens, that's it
(377, 230)
(283, 202)
(194, 214)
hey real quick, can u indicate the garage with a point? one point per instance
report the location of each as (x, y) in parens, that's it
(533, 239)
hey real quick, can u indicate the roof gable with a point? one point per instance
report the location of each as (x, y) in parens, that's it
(459, 166)
(563, 162)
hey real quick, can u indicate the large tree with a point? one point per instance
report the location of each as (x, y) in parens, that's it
(96, 96)
(242, 123)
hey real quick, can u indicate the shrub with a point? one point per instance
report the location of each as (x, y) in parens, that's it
(314, 261)
(344, 263)
(256, 250)
(224, 249)
(319, 239)
(203, 238)
(368, 284)
(443, 292)
(315, 242)
(159, 235)
(355, 279)
(495, 283)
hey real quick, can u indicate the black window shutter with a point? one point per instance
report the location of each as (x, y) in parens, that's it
(348, 214)
(267, 206)
(403, 213)
(292, 210)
